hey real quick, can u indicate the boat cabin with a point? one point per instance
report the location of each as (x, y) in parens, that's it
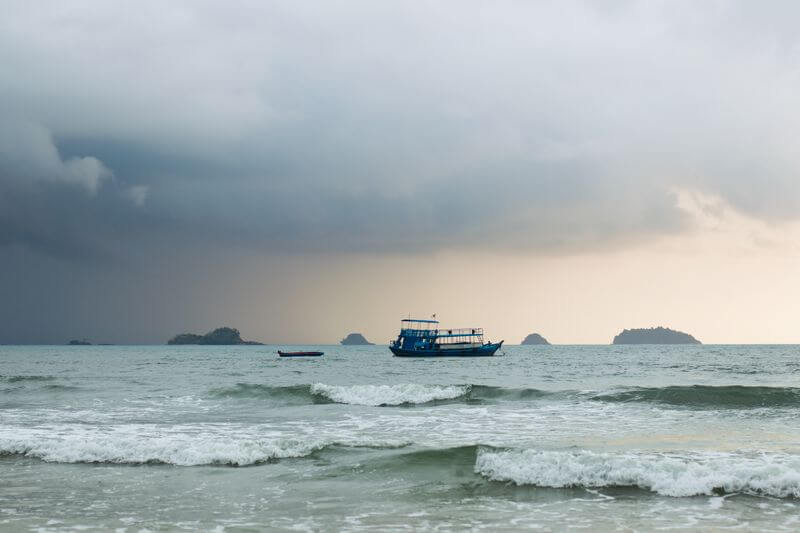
(418, 335)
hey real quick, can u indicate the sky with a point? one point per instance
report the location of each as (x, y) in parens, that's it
(305, 170)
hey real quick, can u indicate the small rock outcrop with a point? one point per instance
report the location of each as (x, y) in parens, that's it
(220, 337)
(355, 339)
(533, 338)
(657, 335)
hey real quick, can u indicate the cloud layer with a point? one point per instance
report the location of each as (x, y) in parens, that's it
(354, 126)
(359, 126)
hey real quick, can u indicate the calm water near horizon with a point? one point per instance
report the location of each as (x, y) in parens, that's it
(549, 437)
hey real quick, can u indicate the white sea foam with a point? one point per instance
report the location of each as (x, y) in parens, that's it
(408, 393)
(772, 474)
(179, 445)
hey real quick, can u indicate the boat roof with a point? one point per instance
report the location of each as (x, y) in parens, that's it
(420, 320)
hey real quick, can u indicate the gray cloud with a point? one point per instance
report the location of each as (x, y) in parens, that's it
(27, 152)
(351, 125)
(361, 126)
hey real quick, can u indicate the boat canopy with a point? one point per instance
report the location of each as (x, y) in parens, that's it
(461, 332)
(415, 327)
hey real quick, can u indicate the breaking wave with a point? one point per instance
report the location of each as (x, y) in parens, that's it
(691, 474)
(691, 396)
(384, 395)
(320, 393)
(182, 449)
(376, 395)
(704, 396)
(285, 395)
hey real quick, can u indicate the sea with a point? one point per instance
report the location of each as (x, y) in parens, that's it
(234, 438)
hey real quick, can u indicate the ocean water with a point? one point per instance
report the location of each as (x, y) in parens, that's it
(550, 437)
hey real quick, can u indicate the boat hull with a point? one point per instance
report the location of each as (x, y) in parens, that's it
(486, 350)
(299, 354)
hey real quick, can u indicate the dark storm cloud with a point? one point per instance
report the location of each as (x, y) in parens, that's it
(363, 126)
(142, 145)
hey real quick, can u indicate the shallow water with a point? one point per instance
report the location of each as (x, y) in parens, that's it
(600, 437)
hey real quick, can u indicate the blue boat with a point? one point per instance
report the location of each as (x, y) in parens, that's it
(423, 338)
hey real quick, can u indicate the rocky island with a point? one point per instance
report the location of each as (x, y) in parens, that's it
(657, 335)
(220, 336)
(76, 342)
(355, 339)
(533, 338)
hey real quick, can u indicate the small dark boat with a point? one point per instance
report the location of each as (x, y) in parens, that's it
(299, 354)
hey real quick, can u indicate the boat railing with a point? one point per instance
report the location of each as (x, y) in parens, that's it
(442, 333)
(414, 332)
(461, 336)
(461, 332)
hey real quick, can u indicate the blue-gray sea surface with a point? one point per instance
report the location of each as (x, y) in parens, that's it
(550, 437)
